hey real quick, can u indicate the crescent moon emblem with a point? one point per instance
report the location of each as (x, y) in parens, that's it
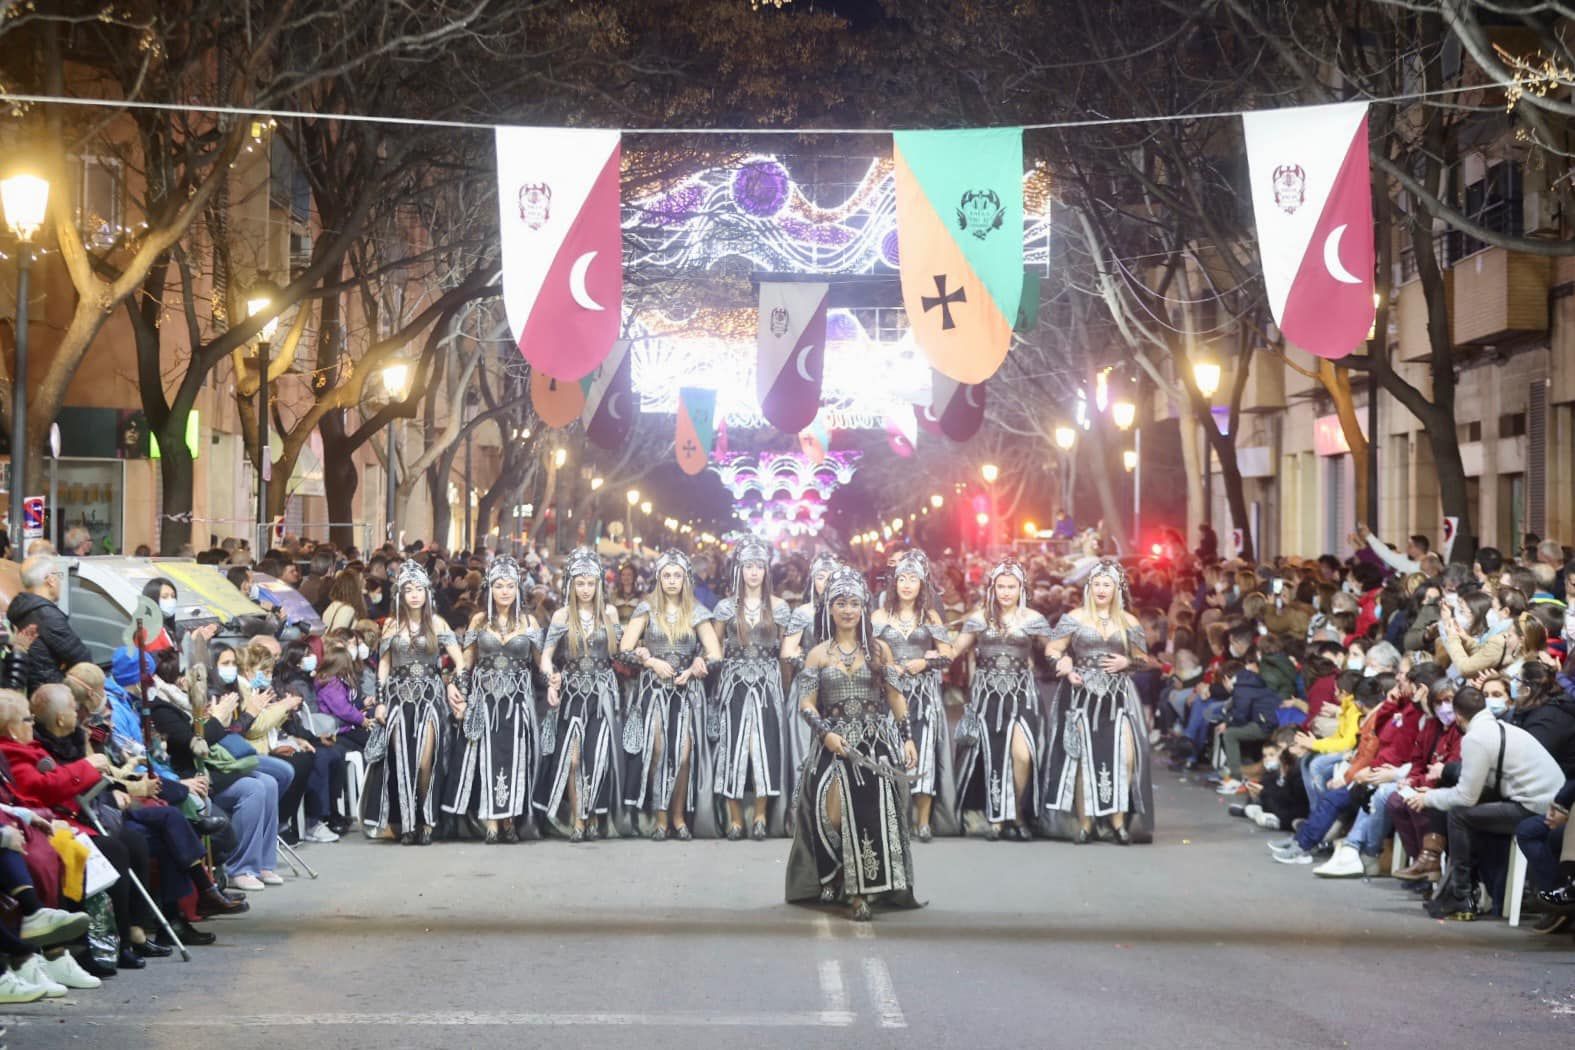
(929, 414)
(801, 362)
(1331, 257)
(612, 406)
(577, 283)
(968, 397)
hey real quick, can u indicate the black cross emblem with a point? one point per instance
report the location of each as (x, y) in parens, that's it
(944, 300)
(690, 448)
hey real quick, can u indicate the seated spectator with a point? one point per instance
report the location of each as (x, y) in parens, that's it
(1319, 755)
(1252, 716)
(1435, 763)
(57, 645)
(1523, 777)
(1543, 708)
(264, 712)
(1279, 800)
(1384, 739)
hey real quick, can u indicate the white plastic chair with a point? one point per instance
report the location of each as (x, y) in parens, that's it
(1397, 855)
(1514, 883)
(355, 778)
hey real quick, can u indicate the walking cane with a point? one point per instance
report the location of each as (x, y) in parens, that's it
(85, 803)
(292, 858)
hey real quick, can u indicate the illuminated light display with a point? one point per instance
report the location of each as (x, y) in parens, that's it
(748, 214)
(781, 494)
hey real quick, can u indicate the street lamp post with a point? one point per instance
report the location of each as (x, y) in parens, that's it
(26, 199)
(259, 301)
(1066, 440)
(1124, 414)
(396, 380)
(991, 474)
(633, 496)
(1206, 374)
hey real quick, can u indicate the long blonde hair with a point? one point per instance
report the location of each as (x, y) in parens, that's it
(683, 630)
(571, 615)
(1118, 609)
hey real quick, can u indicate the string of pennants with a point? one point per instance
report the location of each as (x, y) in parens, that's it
(959, 216)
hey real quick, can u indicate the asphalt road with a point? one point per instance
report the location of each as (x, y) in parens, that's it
(1196, 941)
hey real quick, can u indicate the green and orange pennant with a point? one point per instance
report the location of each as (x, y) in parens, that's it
(695, 432)
(960, 242)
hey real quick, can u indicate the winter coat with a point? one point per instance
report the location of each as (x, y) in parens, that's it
(40, 781)
(1279, 674)
(1553, 724)
(57, 647)
(1253, 702)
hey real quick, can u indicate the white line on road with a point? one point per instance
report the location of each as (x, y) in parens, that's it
(878, 979)
(833, 992)
(863, 931)
(823, 927)
(692, 1019)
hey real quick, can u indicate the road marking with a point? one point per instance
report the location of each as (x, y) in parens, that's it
(823, 927)
(688, 1019)
(863, 931)
(833, 992)
(878, 979)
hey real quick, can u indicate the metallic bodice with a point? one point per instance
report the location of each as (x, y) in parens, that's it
(911, 647)
(592, 660)
(853, 704)
(518, 652)
(417, 654)
(677, 652)
(1011, 650)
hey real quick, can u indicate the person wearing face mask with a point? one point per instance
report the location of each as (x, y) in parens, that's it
(1542, 707)
(1280, 799)
(312, 731)
(264, 712)
(1470, 647)
(1359, 854)
(1506, 776)
(1434, 763)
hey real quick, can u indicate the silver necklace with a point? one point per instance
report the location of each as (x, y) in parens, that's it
(752, 611)
(670, 614)
(847, 658)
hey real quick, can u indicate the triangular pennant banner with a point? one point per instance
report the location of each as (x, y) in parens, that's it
(695, 430)
(562, 241)
(960, 234)
(558, 402)
(815, 441)
(1312, 200)
(791, 358)
(609, 399)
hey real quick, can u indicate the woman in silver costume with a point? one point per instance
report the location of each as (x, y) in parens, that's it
(1097, 777)
(578, 789)
(496, 771)
(909, 624)
(800, 636)
(850, 839)
(754, 757)
(670, 639)
(414, 709)
(999, 736)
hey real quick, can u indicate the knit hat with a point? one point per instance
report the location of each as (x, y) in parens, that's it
(123, 666)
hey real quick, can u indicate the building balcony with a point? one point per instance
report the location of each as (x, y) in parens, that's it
(1499, 295)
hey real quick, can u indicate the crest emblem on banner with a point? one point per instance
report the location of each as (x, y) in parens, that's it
(535, 201)
(980, 213)
(779, 321)
(1290, 187)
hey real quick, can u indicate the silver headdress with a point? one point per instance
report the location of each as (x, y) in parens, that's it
(410, 572)
(1112, 570)
(825, 561)
(503, 567)
(1004, 567)
(673, 556)
(582, 562)
(752, 548)
(916, 563)
(846, 582)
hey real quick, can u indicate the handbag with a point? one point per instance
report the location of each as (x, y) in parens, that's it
(237, 746)
(970, 730)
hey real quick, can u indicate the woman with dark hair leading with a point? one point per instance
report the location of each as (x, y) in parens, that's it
(850, 839)
(416, 704)
(755, 755)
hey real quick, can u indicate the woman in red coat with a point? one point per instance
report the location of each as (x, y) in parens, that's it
(39, 782)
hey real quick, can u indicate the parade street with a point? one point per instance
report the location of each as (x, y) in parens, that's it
(633, 944)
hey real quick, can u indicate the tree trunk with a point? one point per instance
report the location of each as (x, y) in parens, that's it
(176, 471)
(1337, 383)
(1236, 498)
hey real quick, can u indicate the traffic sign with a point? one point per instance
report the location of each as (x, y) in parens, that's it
(33, 518)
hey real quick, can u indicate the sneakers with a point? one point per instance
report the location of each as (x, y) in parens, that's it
(1252, 811)
(1230, 786)
(1267, 821)
(1294, 855)
(47, 927)
(1347, 863)
(64, 970)
(249, 883)
(270, 878)
(1279, 845)
(32, 972)
(15, 990)
(319, 832)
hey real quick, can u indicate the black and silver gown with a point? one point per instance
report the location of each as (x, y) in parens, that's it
(495, 771)
(927, 716)
(584, 722)
(753, 741)
(1002, 695)
(676, 715)
(1084, 735)
(870, 855)
(804, 623)
(417, 714)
